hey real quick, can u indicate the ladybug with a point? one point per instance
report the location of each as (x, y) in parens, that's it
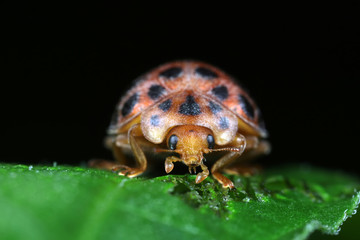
(187, 109)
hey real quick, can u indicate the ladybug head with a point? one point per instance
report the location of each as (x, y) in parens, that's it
(190, 141)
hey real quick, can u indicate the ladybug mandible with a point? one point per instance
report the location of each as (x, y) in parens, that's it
(189, 109)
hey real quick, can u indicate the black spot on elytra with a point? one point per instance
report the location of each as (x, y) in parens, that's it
(246, 106)
(165, 106)
(171, 73)
(190, 107)
(224, 123)
(206, 73)
(155, 91)
(221, 92)
(214, 107)
(155, 120)
(129, 104)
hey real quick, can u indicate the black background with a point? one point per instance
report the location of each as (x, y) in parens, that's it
(65, 67)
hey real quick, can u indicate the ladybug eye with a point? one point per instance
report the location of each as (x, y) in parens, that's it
(211, 141)
(172, 142)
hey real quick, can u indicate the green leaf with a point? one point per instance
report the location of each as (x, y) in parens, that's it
(77, 203)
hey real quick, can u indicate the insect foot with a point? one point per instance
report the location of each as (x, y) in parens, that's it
(201, 176)
(124, 170)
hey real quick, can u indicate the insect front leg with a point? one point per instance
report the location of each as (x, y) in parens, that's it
(169, 166)
(228, 159)
(110, 142)
(141, 162)
(244, 167)
(204, 174)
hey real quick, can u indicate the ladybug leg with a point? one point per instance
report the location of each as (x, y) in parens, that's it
(262, 147)
(169, 166)
(204, 174)
(227, 159)
(219, 165)
(140, 158)
(111, 143)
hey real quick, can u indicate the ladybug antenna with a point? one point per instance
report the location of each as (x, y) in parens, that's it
(228, 149)
(158, 150)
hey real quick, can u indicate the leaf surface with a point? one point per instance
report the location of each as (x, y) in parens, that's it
(61, 202)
